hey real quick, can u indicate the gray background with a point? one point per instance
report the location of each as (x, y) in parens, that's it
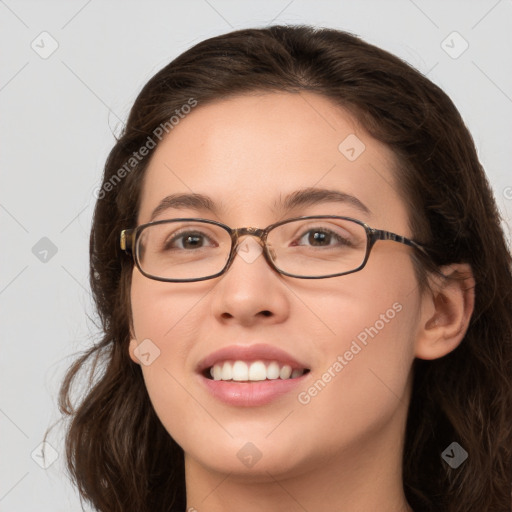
(58, 117)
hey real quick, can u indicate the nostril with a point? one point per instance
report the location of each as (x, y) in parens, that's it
(266, 313)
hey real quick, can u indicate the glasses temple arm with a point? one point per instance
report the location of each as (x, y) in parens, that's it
(378, 234)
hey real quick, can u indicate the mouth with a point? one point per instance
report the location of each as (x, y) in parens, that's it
(252, 371)
(251, 375)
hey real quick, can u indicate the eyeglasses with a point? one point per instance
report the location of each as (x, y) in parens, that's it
(317, 247)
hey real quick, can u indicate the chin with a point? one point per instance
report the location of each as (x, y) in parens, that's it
(256, 459)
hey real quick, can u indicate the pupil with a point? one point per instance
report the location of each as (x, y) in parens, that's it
(192, 241)
(319, 238)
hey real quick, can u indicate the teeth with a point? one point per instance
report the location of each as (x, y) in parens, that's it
(216, 372)
(285, 372)
(257, 371)
(273, 371)
(241, 371)
(226, 372)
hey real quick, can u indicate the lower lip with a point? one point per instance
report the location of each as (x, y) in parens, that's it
(251, 394)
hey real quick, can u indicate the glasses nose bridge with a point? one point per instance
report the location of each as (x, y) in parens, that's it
(258, 233)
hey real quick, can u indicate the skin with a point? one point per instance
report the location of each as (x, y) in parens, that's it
(343, 449)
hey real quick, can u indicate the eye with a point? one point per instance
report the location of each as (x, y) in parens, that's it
(189, 240)
(321, 237)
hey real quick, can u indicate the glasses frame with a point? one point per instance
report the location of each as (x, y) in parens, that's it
(129, 239)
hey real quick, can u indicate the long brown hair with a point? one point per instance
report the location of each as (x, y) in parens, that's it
(119, 454)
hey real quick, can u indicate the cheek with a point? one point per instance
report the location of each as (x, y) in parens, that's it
(166, 319)
(164, 312)
(364, 371)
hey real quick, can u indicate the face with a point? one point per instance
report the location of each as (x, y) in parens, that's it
(350, 338)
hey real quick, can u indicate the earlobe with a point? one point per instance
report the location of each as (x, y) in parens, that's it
(447, 307)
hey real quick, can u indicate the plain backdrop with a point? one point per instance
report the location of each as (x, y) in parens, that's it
(70, 71)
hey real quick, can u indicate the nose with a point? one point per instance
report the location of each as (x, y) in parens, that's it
(250, 292)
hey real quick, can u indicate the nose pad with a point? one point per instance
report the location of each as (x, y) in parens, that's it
(271, 252)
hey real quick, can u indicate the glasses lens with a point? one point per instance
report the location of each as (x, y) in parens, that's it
(318, 247)
(183, 249)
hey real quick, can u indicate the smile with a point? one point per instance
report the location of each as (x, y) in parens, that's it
(247, 371)
(251, 375)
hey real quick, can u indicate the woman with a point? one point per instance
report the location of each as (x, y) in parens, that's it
(304, 290)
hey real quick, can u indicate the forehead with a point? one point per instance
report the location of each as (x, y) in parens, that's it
(250, 151)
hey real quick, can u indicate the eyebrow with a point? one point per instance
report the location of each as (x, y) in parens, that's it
(183, 201)
(300, 198)
(312, 196)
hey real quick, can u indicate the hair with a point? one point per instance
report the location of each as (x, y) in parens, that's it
(119, 454)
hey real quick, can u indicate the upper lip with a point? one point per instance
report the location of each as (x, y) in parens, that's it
(254, 352)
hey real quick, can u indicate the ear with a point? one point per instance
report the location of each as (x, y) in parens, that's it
(446, 310)
(131, 348)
